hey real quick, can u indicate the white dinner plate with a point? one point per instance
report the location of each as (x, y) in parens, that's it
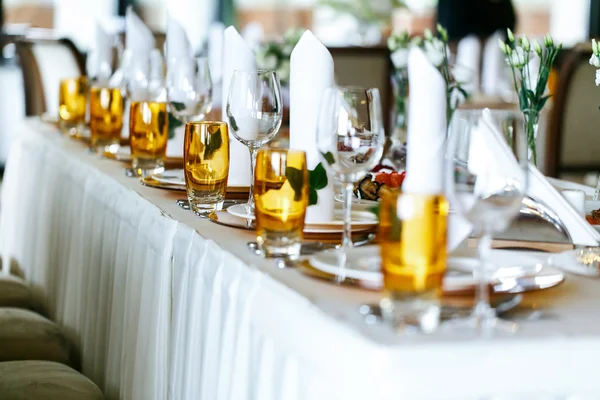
(355, 200)
(361, 220)
(364, 264)
(171, 177)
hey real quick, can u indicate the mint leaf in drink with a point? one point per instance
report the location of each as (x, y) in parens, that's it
(328, 157)
(296, 179)
(178, 106)
(173, 124)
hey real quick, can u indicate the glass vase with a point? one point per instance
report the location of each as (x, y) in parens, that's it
(531, 126)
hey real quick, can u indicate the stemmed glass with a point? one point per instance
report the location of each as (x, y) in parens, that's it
(350, 140)
(189, 88)
(254, 111)
(486, 181)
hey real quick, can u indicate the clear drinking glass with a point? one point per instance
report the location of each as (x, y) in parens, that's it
(350, 140)
(486, 181)
(206, 162)
(106, 118)
(148, 135)
(254, 111)
(189, 88)
(73, 94)
(281, 198)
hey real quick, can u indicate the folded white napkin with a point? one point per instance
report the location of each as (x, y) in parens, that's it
(311, 72)
(496, 153)
(175, 145)
(178, 44)
(216, 33)
(99, 62)
(468, 55)
(139, 37)
(253, 34)
(426, 136)
(237, 55)
(493, 74)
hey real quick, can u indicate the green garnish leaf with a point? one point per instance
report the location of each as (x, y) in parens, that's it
(317, 178)
(233, 124)
(174, 123)
(296, 179)
(328, 157)
(214, 143)
(179, 106)
(313, 197)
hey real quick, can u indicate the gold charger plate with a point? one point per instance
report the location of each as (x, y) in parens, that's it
(222, 217)
(174, 180)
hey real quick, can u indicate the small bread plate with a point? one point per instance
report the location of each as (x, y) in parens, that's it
(521, 273)
(173, 179)
(123, 154)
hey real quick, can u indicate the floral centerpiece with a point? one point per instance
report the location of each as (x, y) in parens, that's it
(275, 55)
(530, 80)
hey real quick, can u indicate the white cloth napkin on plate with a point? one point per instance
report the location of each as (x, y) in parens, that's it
(426, 136)
(237, 55)
(216, 38)
(175, 145)
(139, 37)
(178, 44)
(311, 72)
(468, 55)
(497, 154)
(493, 73)
(99, 63)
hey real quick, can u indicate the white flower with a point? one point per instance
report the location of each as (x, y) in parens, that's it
(517, 58)
(266, 61)
(598, 77)
(435, 51)
(400, 58)
(284, 71)
(595, 61)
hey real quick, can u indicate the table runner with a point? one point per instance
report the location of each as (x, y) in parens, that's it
(165, 305)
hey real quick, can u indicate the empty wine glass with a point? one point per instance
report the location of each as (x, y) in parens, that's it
(350, 140)
(486, 181)
(189, 88)
(254, 111)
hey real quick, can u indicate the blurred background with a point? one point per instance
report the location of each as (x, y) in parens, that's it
(354, 30)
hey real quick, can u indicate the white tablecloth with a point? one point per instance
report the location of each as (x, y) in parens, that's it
(165, 305)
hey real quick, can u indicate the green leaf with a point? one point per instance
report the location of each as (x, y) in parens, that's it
(174, 123)
(179, 106)
(542, 103)
(328, 157)
(317, 178)
(296, 179)
(214, 143)
(313, 197)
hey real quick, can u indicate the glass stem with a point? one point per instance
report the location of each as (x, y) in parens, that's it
(347, 238)
(483, 311)
(252, 167)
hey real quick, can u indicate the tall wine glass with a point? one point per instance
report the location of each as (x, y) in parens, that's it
(254, 111)
(350, 140)
(486, 181)
(189, 88)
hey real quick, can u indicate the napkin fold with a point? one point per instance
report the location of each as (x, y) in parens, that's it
(468, 55)
(139, 37)
(216, 38)
(497, 154)
(493, 73)
(237, 55)
(99, 62)
(311, 73)
(426, 135)
(178, 44)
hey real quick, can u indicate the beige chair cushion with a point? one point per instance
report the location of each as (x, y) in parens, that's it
(25, 335)
(14, 292)
(44, 380)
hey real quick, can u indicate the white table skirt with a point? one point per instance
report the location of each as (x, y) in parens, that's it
(165, 305)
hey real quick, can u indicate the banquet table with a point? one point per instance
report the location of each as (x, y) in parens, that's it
(163, 304)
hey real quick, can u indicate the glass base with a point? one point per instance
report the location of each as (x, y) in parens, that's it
(412, 313)
(148, 167)
(104, 146)
(74, 129)
(282, 248)
(480, 326)
(203, 207)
